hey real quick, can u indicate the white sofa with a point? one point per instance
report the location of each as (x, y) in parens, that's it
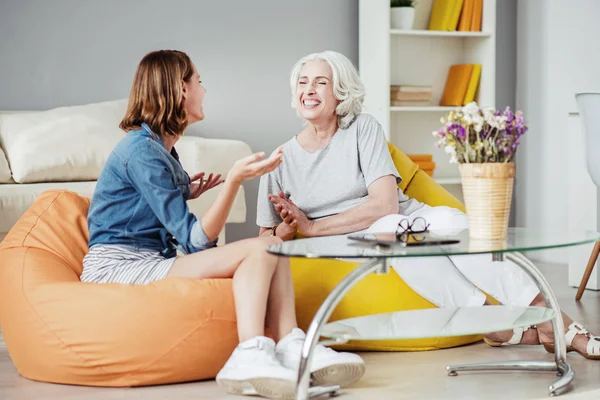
(65, 148)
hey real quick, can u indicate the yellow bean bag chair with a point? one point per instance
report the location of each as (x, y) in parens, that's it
(315, 279)
(58, 329)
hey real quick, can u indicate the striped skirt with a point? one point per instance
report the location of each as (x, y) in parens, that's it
(124, 264)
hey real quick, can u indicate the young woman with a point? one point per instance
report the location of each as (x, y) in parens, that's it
(138, 218)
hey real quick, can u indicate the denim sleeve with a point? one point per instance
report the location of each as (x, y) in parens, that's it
(151, 176)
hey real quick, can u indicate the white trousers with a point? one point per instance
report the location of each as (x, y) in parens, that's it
(458, 281)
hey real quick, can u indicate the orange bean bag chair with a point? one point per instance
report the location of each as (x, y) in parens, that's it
(58, 329)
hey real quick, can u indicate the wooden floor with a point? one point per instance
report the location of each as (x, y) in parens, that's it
(389, 375)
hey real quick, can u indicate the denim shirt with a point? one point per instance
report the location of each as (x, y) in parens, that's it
(140, 199)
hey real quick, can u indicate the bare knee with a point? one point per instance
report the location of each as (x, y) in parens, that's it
(257, 247)
(262, 243)
(262, 263)
(270, 240)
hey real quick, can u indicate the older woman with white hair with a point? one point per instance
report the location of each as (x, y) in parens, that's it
(338, 177)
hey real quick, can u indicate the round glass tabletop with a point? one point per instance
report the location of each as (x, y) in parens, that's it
(436, 322)
(519, 239)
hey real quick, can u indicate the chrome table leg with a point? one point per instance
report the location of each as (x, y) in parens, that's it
(321, 317)
(564, 370)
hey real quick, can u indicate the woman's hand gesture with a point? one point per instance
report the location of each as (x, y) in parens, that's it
(288, 227)
(290, 212)
(252, 166)
(197, 188)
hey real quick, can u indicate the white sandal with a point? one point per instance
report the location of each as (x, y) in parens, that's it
(515, 339)
(592, 348)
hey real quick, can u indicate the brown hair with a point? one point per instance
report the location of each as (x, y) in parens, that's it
(156, 96)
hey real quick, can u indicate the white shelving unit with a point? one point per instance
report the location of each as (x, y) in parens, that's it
(421, 57)
(436, 109)
(425, 32)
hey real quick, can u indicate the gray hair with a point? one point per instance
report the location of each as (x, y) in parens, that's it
(347, 86)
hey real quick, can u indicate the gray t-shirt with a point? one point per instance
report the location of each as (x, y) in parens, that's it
(333, 179)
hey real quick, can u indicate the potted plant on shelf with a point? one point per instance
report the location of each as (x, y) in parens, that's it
(402, 14)
(484, 142)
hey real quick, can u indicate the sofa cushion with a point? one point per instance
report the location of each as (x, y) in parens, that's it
(5, 176)
(16, 198)
(63, 144)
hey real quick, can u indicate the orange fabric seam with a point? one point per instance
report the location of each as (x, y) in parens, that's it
(37, 220)
(141, 369)
(224, 320)
(44, 322)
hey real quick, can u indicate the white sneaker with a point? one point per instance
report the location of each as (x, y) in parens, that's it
(254, 369)
(328, 367)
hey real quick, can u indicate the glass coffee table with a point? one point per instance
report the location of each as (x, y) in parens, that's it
(447, 321)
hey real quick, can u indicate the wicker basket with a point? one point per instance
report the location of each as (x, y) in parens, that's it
(487, 190)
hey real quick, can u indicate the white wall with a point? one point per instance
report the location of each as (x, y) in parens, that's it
(582, 50)
(67, 52)
(506, 63)
(506, 53)
(557, 55)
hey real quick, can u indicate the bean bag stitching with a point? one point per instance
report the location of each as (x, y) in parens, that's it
(44, 322)
(202, 325)
(224, 320)
(34, 224)
(58, 194)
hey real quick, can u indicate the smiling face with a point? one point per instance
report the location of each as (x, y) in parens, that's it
(193, 94)
(314, 92)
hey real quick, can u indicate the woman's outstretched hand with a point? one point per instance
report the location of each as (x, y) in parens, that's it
(201, 186)
(252, 166)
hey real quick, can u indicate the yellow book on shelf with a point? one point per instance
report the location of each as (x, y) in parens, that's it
(477, 15)
(440, 15)
(420, 157)
(473, 84)
(454, 16)
(466, 16)
(429, 165)
(457, 84)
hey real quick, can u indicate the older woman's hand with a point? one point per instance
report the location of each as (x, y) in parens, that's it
(287, 231)
(288, 228)
(290, 212)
